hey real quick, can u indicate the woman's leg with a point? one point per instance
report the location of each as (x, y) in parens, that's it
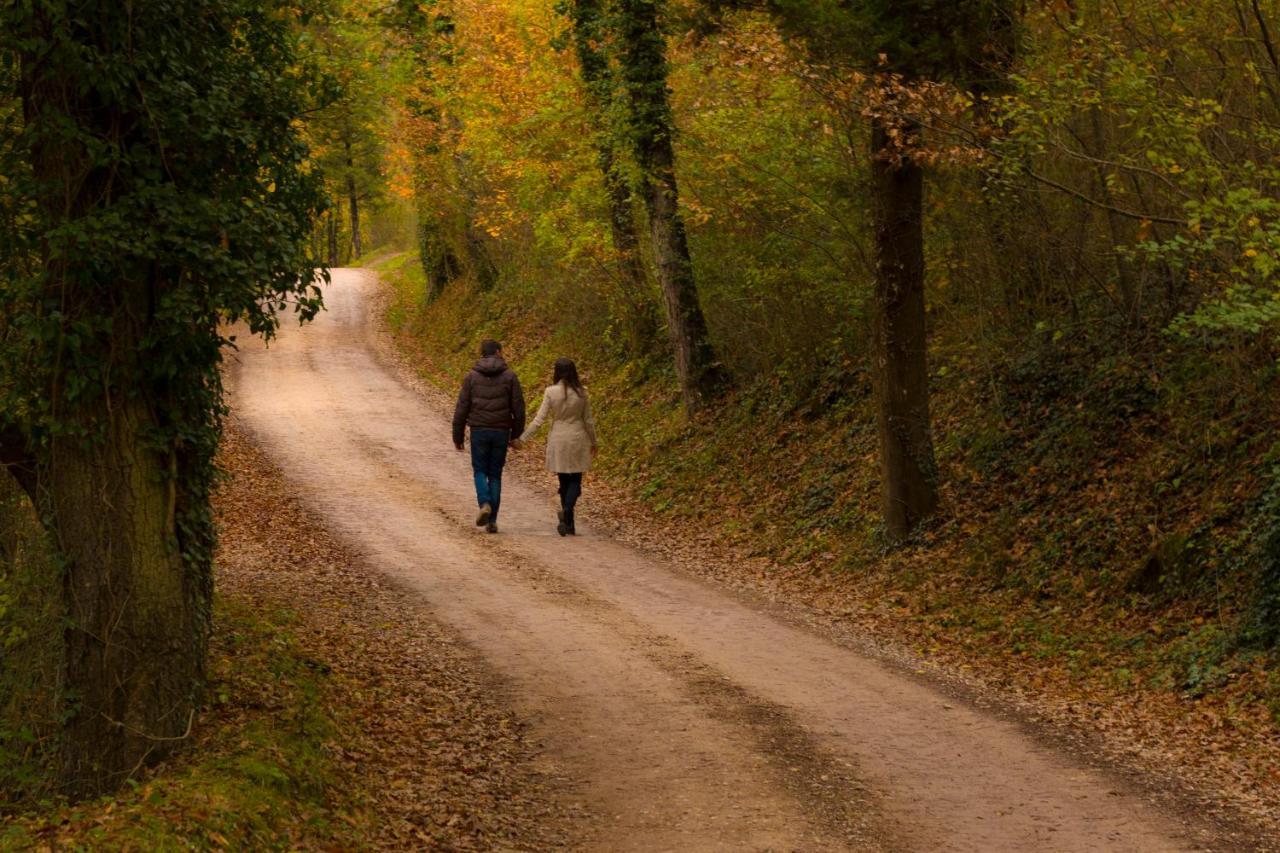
(571, 491)
(563, 526)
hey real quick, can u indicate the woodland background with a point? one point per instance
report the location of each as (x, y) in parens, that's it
(1101, 300)
(1101, 286)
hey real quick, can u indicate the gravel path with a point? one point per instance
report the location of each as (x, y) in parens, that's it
(437, 759)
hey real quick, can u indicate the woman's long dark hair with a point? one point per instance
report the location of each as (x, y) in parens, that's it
(567, 372)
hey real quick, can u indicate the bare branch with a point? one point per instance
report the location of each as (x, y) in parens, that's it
(1120, 211)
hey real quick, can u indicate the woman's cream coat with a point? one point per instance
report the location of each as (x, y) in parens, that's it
(573, 432)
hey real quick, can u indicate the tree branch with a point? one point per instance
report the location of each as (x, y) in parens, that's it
(1131, 214)
(1266, 35)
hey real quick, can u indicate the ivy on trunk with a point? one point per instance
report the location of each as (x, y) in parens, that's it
(160, 169)
(650, 126)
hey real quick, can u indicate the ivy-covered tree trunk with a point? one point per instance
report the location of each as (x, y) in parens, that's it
(652, 128)
(145, 131)
(643, 324)
(909, 487)
(440, 265)
(589, 37)
(138, 614)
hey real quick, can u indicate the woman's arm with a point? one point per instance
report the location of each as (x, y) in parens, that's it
(543, 411)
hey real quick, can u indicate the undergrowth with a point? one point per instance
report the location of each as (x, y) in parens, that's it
(259, 774)
(1110, 521)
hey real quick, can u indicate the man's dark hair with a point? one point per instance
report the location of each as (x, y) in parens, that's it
(490, 347)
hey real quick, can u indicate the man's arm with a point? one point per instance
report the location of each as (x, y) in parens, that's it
(517, 407)
(461, 411)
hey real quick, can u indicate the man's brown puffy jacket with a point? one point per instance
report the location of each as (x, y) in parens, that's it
(491, 399)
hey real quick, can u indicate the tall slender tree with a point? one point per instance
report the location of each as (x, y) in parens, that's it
(348, 134)
(590, 37)
(353, 200)
(160, 170)
(449, 244)
(650, 127)
(901, 43)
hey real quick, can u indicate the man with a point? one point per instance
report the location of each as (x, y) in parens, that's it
(492, 404)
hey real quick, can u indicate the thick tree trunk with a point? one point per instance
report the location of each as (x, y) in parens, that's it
(137, 616)
(357, 248)
(908, 471)
(440, 265)
(644, 68)
(137, 612)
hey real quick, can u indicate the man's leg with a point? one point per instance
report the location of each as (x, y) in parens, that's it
(480, 453)
(496, 460)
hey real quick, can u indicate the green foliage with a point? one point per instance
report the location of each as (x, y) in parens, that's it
(1180, 168)
(347, 134)
(174, 132)
(1262, 627)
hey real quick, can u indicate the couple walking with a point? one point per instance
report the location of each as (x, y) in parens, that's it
(492, 404)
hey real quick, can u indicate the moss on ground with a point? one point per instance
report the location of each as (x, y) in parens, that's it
(259, 775)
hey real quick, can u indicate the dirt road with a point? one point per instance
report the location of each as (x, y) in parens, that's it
(692, 718)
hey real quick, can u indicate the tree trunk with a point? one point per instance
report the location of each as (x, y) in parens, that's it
(626, 242)
(589, 36)
(137, 616)
(909, 488)
(644, 68)
(356, 248)
(332, 219)
(137, 612)
(1115, 226)
(440, 265)
(701, 377)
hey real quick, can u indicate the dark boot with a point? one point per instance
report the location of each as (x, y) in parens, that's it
(562, 527)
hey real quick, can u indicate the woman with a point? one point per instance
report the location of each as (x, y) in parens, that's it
(572, 443)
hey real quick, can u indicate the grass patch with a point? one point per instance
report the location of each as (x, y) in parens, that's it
(260, 774)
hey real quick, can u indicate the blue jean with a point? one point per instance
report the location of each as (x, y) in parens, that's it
(488, 455)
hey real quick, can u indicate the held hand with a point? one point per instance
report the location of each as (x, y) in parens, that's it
(595, 451)
(517, 444)
(458, 447)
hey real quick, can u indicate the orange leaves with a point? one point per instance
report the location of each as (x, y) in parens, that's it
(942, 110)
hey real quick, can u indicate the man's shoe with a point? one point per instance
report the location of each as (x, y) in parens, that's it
(483, 518)
(561, 528)
(491, 528)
